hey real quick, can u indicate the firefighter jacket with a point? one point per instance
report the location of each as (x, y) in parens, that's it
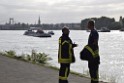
(65, 52)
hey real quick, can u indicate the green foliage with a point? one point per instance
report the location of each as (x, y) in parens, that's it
(28, 57)
(41, 58)
(35, 57)
(2, 53)
(10, 53)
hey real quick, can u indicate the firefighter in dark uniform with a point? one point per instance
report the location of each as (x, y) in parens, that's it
(94, 60)
(65, 55)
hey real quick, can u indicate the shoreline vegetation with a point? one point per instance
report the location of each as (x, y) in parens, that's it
(37, 59)
(34, 57)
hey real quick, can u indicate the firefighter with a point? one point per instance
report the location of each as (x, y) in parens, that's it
(65, 55)
(93, 48)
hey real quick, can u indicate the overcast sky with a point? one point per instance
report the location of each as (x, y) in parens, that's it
(59, 11)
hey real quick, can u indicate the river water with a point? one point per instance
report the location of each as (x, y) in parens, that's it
(111, 50)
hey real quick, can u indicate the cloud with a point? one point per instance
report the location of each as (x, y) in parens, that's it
(56, 11)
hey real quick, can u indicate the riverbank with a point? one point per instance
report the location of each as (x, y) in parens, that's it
(13, 71)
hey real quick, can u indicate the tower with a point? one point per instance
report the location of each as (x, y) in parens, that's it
(11, 21)
(39, 22)
(120, 21)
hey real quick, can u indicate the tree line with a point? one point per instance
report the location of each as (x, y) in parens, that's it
(103, 21)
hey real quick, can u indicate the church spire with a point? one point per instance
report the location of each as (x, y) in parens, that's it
(39, 22)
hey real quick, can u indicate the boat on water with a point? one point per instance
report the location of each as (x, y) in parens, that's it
(51, 32)
(104, 29)
(36, 32)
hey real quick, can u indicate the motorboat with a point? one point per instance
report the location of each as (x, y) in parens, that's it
(36, 33)
(51, 33)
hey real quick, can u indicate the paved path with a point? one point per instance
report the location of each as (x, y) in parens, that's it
(14, 71)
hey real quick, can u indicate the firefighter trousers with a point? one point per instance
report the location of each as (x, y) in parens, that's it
(93, 70)
(64, 73)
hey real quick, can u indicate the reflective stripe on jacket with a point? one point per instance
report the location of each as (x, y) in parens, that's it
(94, 53)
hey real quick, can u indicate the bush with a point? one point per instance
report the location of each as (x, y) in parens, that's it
(10, 53)
(37, 57)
